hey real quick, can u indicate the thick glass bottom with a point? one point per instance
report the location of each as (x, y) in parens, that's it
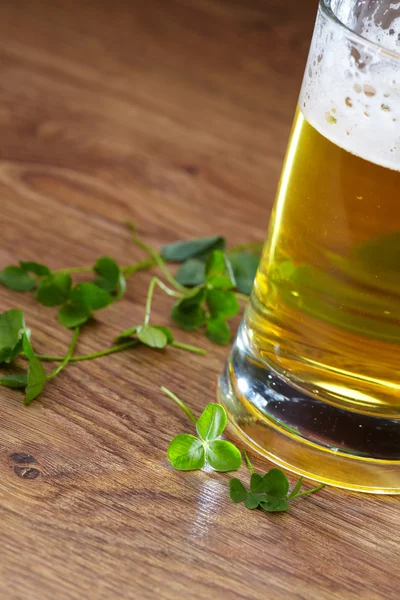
(304, 434)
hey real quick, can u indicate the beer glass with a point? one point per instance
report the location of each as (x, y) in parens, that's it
(313, 378)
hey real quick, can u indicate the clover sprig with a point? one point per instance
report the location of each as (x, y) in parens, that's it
(270, 492)
(212, 301)
(188, 452)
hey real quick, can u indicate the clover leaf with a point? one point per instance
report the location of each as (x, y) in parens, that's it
(36, 376)
(189, 453)
(54, 289)
(268, 492)
(15, 381)
(35, 268)
(12, 329)
(17, 279)
(219, 273)
(244, 266)
(188, 312)
(110, 277)
(198, 248)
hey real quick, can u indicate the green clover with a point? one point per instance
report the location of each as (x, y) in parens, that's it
(270, 492)
(189, 453)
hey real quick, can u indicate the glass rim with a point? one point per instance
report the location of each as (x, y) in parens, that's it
(326, 8)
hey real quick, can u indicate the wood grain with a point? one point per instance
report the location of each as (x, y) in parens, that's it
(176, 115)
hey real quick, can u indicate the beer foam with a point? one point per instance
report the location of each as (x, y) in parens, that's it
(351, 90)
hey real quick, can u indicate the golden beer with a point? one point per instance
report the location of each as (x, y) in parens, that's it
(326, 303)
(313, 380)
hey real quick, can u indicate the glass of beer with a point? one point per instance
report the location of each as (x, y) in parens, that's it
(313, 379)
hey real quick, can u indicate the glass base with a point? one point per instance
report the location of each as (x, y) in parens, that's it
(304, 434)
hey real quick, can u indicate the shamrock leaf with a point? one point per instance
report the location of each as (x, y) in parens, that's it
(167, 332)
(90, 296)
(54, 289)
(110, 277)
(84, 298)
(17, 279)
(238, 492)
(268, 492)
(219, 274)
(191, 273)
(273, 504)
(276, 483)
(27, 347)
(36, 375)
(15, 381)
(198, 248)
(218, 331)
(72, 316)
(12, 329)
(108, 272)
(36, 380)
(188, 312)
(257, 484)
(211, 422)
(222, 304)
(154, 337)
(244, 266)
(223, 456)
(35, 268)
(186, 453)
(252, 501)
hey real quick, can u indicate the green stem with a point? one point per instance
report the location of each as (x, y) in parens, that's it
(255, 246)
(189, 348)
(179, 402)
(127, 271)
(74, 270)
(156, 257)
(140, 266)
(117, 348)
(248, 463)
(113, 349)
(156, 281)
(316, 489)
(68, 356)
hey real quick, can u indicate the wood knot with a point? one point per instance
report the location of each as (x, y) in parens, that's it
(21, 469)
(26, 472)
(191, 169)
(22, 458)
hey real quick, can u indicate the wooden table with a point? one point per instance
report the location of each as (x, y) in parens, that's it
(174, 114)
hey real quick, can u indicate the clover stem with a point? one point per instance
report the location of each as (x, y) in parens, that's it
(156, 257)
(68, 356)
(179, 402)
(73, 270)
(316, 489)
(188, 347)
(117, 348)
(127, 270)
(156, 281)
(140, 266)
(248, 463)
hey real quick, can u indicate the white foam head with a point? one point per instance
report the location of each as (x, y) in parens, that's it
(351, 89)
